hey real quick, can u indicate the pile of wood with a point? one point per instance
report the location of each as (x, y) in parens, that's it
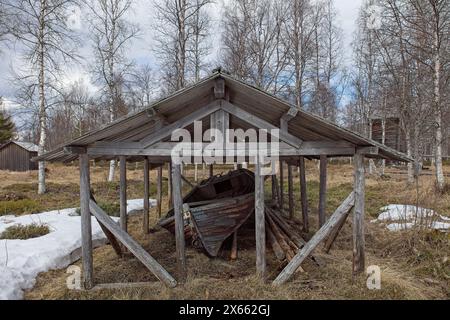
(283, 235)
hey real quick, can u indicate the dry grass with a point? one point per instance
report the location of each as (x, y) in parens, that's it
(21, 232)
(415, 265)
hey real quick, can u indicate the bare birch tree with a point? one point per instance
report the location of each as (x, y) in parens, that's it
(300, 28)
(329, 74)
(254, 46)
(182, 31)
(40, 26)
(143, 85)
(111, 34)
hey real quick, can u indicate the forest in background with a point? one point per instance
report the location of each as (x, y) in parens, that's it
(292, 49)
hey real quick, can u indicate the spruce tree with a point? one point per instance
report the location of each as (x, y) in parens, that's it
(6, 128)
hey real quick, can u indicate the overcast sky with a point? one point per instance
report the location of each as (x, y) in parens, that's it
(141, 49)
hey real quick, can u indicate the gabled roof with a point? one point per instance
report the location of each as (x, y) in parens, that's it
(305, 126)
(28, 146)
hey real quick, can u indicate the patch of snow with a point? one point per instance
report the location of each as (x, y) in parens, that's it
(22, 260)
(404, 217)
(138, 205)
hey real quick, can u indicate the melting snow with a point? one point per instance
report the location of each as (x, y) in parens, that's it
(404, 217)
(22, 260)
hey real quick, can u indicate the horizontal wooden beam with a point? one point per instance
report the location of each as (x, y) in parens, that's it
(74, 150)
(368, 150)
(164, 149)
(121, 286)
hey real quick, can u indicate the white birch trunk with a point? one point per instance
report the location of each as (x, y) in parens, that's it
(440, 180)
(409, 153)
(42, 109)
(383, 141)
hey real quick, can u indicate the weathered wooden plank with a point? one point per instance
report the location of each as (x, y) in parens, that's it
(86, 228)
(323, 190)
(275, 190)
(291, 192)
(121, 286)
(159, 191)
(358, 215)
(74, 150)
(146, 226)
(304, 195)
(320, 235)
(169, 185)
(164, 149)
(179, 220)
(278, 251)
(219, 88)
(288, 116)
(134, 247)
(260, 229)
(335, 232)
(123, 193)
(184, 179)
(281, 186)
(112, 240)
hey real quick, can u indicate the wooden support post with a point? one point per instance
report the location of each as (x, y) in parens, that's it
(281, 186)
(291, 191)
(182, 174)
(146, 226)
(260, 228)
(159, 191)
(211, 170)
(86, 229)
(123, 193)
(358, 215)
(323, 190)
(170, 186)
(304, 195)
(179, 220)
(274, 190)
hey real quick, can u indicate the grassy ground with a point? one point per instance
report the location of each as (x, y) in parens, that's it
(415, 265)
(21, 232)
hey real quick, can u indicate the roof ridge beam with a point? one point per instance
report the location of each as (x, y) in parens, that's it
(182, 123)
(260, 123)
(219, 88)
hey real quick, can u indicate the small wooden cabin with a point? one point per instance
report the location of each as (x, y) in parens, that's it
(394, 136)
(16, 156)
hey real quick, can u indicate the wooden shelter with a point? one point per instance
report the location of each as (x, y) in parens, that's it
(16, 156)
(221, 102)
